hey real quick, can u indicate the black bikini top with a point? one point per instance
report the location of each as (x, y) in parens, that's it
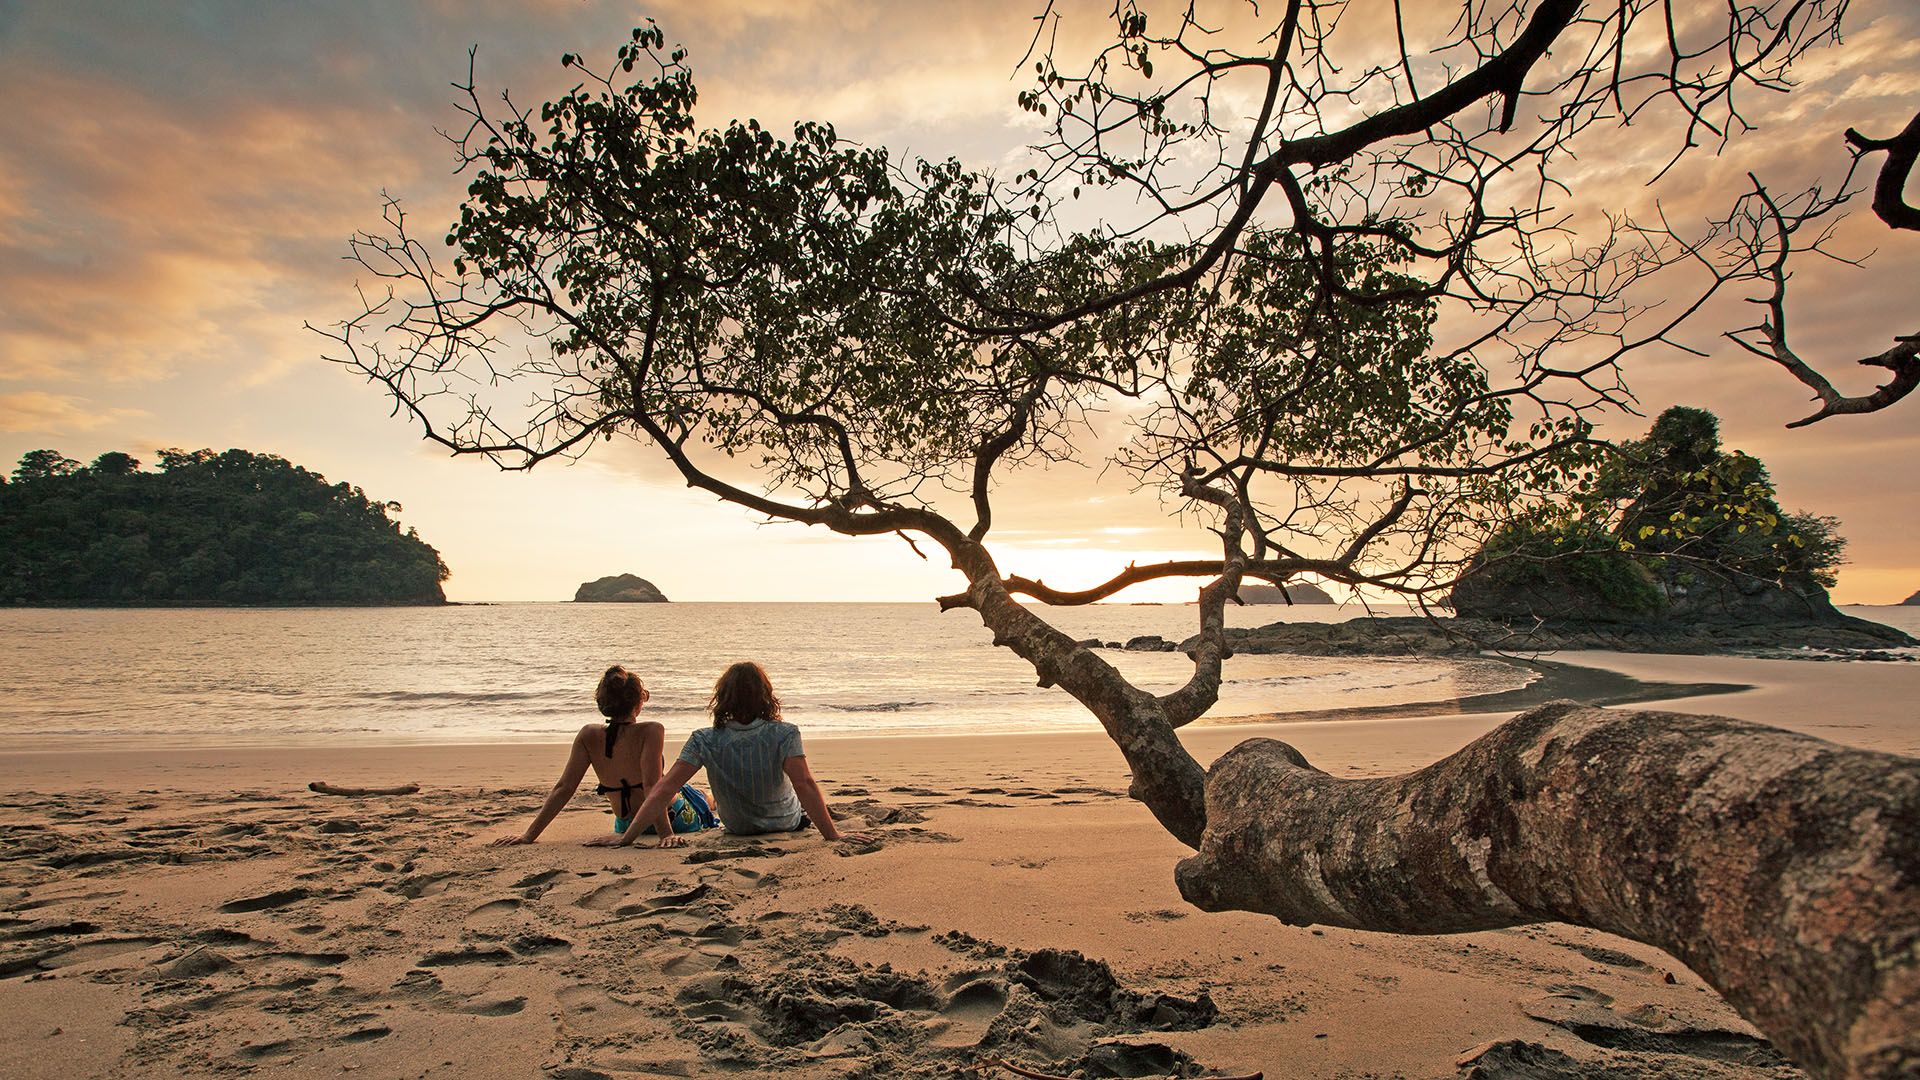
(627, 787)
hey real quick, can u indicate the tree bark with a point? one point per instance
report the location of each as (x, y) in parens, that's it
(1784, 869)
(1165, 776)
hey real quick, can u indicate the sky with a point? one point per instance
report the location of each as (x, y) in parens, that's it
(178, 182)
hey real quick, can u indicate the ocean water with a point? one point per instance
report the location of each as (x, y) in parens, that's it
(526, 672)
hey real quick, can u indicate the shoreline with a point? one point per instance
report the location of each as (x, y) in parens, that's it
(1557, 680)
(200, 912)
(1800, 695)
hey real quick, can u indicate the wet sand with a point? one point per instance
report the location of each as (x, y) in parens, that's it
(201, 912)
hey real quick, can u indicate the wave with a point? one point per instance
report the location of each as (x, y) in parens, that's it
(879, 706)
(464, 697)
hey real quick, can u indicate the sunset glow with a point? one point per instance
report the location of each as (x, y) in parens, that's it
(178, 184)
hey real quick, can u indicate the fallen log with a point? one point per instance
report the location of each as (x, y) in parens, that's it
(325, 788)
(1783, 869)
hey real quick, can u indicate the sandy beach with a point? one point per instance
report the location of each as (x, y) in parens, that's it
(200, 912)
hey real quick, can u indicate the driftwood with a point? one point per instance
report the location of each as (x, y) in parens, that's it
(1783, 869)
(325, 788)
(1019, 1070)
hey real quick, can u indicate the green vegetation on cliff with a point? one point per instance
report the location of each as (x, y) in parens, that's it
(206, 529)
(1673, 525)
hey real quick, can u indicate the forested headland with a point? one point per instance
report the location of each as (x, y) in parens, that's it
(204, 528)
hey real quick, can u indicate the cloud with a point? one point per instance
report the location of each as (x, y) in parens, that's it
(56, 414)
(178, 185)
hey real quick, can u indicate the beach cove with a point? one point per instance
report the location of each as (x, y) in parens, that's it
(195, 910)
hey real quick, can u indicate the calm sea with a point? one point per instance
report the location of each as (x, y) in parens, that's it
(303, 676)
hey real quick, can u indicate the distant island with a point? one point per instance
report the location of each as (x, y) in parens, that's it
(206, 529)
(1911, 600)
(619, 589)
(1297, 592)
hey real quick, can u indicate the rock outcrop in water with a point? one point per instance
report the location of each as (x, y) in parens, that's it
(1681, 548)
(1835, 637)
(1297, 592)
(619, 589)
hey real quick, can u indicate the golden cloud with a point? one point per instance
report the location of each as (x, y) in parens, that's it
(56, 414)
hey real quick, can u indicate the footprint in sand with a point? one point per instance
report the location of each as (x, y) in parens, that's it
(606, 897)
(738, 878)
(535, 880)
(60, 956)
(463, 956)
(266, 901)
(681, 962)
(263, 1051)
(307, 959)
(539, 945)
(974, 995)
(419, 885)
(494, 909)
(491, 1005)
(701, 891)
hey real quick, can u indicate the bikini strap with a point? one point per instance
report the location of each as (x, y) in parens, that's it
(626, 790)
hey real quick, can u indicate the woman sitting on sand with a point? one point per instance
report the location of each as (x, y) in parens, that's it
(754, 761)
(627, 767)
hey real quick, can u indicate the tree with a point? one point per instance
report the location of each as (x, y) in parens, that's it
(1763, 233)
(115, 463)
(1672, 525)
(1679, 496)
(1354, 340)
(43, 465)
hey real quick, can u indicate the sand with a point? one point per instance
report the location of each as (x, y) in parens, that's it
(199, 912)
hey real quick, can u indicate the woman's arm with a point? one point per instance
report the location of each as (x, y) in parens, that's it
(563, 790)
(815, 803)
(653, 762)
(654, 806)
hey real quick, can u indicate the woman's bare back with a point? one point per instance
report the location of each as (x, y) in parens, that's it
(637, 759)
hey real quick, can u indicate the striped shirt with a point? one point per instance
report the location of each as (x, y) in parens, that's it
(745, 765)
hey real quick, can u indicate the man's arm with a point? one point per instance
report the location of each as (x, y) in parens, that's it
(815, 803)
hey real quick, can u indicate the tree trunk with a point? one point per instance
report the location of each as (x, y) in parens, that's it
(1165, 777)
(1785, 870)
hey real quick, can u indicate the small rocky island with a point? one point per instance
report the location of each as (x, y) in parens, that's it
(619, 589)
(1683, 550)
(1296, 592)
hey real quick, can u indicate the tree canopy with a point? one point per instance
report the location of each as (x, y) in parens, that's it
(206, 529)
(1671, 524)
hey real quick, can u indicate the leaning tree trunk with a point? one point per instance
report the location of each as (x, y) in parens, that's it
(1783, 869)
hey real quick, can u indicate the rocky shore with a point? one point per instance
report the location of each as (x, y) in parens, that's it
(1837, 636)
